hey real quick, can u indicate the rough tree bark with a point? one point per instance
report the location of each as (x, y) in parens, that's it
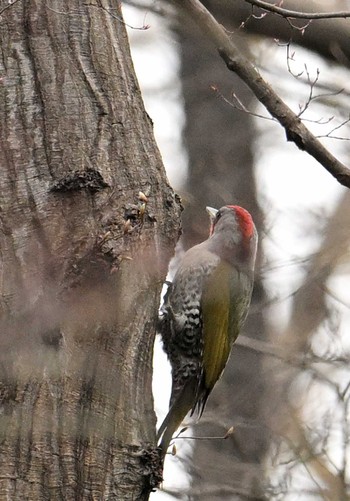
(83, 256)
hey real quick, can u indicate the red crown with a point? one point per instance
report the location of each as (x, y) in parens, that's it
(244, 219)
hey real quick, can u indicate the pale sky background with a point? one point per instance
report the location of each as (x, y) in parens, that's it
(285, 177)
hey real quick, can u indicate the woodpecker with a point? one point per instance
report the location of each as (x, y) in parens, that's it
(203, 311)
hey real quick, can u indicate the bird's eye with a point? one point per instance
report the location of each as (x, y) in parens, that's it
(218, 216)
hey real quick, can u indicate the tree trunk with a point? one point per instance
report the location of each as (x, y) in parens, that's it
(83, 256)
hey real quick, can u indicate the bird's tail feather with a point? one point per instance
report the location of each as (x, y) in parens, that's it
(177, 412)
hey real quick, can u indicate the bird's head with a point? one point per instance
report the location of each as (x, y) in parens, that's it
(233, 232)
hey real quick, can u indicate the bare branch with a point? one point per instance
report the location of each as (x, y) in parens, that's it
(295, 130)
(294, 14)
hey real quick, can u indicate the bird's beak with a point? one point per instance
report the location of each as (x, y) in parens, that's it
(212, 213)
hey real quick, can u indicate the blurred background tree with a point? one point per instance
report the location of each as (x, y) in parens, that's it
(286, 388)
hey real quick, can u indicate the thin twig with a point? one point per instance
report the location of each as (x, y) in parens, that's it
(294, 14)
(8, 6)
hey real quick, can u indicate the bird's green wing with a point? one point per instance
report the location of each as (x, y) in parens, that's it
(218, 329)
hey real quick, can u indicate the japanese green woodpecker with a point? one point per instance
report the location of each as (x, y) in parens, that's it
(203, 311)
